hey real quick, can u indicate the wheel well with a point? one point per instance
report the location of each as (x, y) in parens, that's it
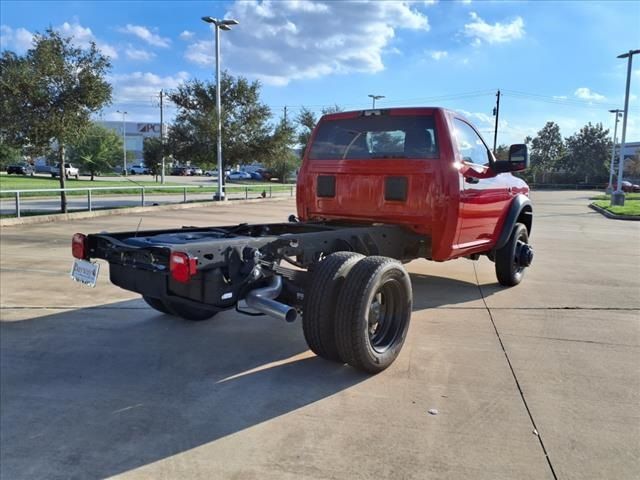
(526, 217)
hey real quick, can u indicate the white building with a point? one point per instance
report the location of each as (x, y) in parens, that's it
(135, 133)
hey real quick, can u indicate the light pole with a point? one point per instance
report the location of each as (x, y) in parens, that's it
(374, 98)
(219, 24)
(617, 197)
(124, 142)
(618, 113)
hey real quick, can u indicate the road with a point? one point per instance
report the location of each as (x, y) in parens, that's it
(539, 381)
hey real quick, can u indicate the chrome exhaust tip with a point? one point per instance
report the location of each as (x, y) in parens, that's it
(262, 300)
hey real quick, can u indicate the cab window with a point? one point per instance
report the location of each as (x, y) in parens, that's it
(470, 146)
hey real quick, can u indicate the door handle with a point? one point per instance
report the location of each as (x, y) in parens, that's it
(471, 180)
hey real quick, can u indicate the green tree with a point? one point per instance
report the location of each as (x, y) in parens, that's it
(588, 153)
(245, 118)
(280, 158)
(502, 152)
(152, 154)
(98, 150)
(8, 155)
(49, 94)
(547, 150)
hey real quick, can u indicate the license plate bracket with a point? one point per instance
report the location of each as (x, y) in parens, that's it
(85, 272)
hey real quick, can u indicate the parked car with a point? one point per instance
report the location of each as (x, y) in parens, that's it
(265, 174)
(139, 170)
(196, 171)
(70, 171)
(20, 169)
(238, 175)
(180, 171)
(255, 175)
(630, 187)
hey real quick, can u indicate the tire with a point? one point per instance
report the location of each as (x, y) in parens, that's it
(377, 289)
(188, 312)
(319, 305)
(509, 271)
(156, 304)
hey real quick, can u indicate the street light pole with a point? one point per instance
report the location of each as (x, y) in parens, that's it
(374, 98)
(219, 25)
(618, 113)
(124, 142)
(617, 197)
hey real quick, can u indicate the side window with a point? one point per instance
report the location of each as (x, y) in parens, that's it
(471, 147)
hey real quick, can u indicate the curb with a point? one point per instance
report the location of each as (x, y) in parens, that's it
(55, 217)
(613, 216)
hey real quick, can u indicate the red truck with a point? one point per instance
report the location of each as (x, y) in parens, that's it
(377, 188)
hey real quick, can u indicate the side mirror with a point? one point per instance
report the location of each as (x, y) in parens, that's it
(518, 160)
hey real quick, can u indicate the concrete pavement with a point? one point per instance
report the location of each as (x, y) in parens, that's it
(95, 384)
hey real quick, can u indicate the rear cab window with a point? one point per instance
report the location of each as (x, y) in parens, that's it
(374, 137)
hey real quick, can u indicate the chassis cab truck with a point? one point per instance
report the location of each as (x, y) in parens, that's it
(377, 188)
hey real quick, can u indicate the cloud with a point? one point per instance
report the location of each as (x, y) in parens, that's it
(296, 40)
(481, 31)
(142, 86)
(586, 94)
(145, 34)
(187, 35)
(19, 39)
(139, 54)
(559, 97)
(83, 36)
(438, 54)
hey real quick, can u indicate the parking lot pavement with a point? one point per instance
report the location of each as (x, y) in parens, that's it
(536, 381)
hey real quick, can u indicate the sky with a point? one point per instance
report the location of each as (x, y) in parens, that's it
(552, 61)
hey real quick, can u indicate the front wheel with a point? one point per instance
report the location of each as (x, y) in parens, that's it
(513, 258)
(373, 313)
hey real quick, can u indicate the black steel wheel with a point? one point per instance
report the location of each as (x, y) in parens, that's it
(319, 305)
(512, 259)
(189, 312)
(156, 304)
(373, 313)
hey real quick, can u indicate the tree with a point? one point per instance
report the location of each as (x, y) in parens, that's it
(152, 154)
(245, 126)
(98, 150)
(547, 149)
(49, 94)
(588, 152)
(280, 158)
(502, 152)
(8, 155)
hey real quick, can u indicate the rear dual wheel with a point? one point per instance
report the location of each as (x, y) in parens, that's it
(357, 310)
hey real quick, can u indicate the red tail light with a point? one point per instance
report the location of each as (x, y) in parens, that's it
(79, 246)
(182, 266)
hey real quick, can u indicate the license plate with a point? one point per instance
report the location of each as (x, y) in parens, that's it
(85, 272)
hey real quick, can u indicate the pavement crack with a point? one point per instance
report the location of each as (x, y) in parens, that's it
(515, 377)
(576, 340)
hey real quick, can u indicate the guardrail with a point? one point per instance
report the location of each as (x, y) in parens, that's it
(267, 191)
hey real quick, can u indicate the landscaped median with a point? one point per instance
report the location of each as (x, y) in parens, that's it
(630, 210)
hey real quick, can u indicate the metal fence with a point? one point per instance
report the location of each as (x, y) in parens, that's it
(231, 192)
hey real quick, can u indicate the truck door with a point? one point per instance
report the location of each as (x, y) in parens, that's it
(482, 199)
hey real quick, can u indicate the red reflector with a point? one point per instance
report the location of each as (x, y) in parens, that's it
(79, 248)
(182, 266)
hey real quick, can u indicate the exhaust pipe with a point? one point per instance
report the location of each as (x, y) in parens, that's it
(262, 299)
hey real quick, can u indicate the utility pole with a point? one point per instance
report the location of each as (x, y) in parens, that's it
(162, 135)
(285, 116)
(617, 197)
(496, 113)
(618, 113)
(124, 142)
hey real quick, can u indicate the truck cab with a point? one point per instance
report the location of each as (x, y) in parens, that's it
(426, 168)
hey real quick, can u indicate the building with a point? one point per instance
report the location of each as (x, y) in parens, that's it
(135, 133)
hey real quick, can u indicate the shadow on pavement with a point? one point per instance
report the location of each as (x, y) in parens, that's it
(431, 291)
(99, 391)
